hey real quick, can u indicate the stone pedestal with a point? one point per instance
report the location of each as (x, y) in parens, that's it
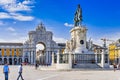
(78, 38)
(81, 49)
(78, 35)
(103, 64)
(63, 66)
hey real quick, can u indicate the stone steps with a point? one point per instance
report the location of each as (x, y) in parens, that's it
(51, 67)
(87, 65)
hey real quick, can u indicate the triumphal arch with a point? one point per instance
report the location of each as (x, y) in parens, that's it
(40, 45)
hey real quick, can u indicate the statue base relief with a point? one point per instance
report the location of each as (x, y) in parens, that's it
(82, 50)
(66, 51)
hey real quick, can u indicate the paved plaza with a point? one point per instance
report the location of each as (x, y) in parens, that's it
(29, 73)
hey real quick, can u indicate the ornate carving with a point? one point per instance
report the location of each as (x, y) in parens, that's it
(67, 45)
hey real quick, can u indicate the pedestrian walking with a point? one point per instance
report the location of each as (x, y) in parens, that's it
(36, 66)
(6, 71)
(114, 66)
(20, 70)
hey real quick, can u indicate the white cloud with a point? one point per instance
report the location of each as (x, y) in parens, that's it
(20, 17)
(15, 40)
(27, 2)
(19, 39)
(4, 15)
(4, 2)
(68, 25)
(15, 16)
(59, 40)
(110, 36)
(13, 9)
(3, 40)
(17, 7)
(11, 29)
(14, 5)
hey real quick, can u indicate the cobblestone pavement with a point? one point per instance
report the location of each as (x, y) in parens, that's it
(29, 73)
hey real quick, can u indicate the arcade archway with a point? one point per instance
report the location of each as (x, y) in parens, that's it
(40, 53)
(15, 61)
(19, 60)
(5, 60)
(0, 61)
(26, 60)
(10, 61)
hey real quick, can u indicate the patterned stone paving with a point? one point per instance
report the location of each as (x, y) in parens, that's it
(29, 73)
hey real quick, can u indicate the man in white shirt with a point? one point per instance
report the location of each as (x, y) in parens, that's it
(20, 69)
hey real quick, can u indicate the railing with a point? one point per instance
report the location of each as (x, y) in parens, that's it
(63, 58)
(82, 58)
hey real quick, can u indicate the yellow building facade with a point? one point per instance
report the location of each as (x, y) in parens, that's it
(113, 53)
(11, 53)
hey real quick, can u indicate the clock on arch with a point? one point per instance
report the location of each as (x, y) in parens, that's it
(81, 42)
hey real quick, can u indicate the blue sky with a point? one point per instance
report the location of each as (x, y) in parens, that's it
(17, 17)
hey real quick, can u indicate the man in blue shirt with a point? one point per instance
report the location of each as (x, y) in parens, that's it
(6, 71)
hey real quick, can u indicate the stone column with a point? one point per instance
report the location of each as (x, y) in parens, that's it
(2, 59)
(52, 58)
(49, 57)
(58, 57)
(23, 57)
(17, 60)
(12, 60)
(102, 59)
(47, 52)
(108, 60)
(70, 60)
(7, 59)
(31, 57)
(95, 57)
(107, 65)
(34, 58)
